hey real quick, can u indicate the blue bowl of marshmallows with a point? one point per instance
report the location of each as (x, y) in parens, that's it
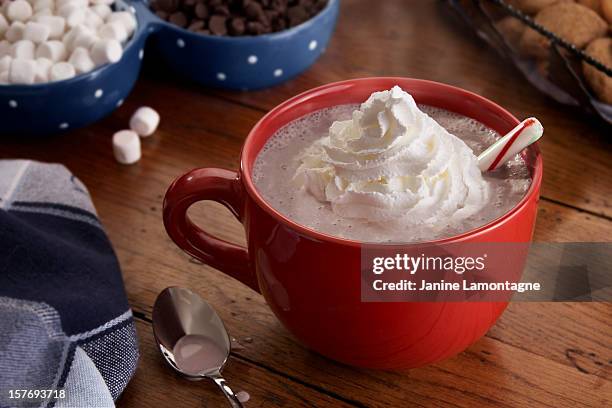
(67, 63)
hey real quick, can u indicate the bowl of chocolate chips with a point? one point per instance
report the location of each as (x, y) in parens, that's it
(242, 44)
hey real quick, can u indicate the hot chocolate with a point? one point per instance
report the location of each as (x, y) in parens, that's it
(386, 171)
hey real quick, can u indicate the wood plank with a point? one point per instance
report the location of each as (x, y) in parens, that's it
(156, 385)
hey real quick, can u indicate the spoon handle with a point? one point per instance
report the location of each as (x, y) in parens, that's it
(229, 394)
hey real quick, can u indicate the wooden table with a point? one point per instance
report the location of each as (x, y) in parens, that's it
(544, 354)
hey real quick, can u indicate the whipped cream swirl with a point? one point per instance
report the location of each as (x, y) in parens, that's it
(392, 161)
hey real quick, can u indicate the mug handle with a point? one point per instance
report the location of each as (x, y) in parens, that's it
(219, 185)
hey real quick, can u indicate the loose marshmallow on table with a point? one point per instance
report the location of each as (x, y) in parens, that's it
(105, 51)
(61, 70)
(126, 147)
(19, 10)
(22, 71)
(144, 121)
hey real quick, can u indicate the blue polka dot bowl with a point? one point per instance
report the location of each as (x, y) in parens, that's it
(53, 107)
(246, 62)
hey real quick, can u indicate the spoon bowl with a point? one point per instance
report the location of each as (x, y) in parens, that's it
(191, 337)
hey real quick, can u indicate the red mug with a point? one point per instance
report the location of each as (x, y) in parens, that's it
(310, 280)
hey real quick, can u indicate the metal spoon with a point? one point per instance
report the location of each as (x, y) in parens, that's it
(192, 337)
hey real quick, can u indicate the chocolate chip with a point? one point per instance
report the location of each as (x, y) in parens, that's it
(222, 10)
(237, 26)
(162, 14)
(296, 15)
(279, 24)
(253, 10)
(196, 25)
(169, 6)
(255, 27)
(179, 18)
(216, 24)
(201, 11)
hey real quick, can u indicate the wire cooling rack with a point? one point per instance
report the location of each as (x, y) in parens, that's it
(563, 82)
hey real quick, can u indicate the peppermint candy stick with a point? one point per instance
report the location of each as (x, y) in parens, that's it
(524, 134)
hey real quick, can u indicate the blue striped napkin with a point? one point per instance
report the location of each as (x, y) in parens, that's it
(67, 337)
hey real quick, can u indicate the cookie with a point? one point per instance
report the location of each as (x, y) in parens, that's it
(594, 5)
(575, 23)
(511, 28)
(601, 50)
(532, 6)
(606, 10)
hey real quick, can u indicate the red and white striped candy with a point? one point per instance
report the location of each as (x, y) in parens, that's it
(524, 134)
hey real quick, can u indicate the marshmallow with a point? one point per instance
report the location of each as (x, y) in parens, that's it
(101, 10)
(144, 121)
(53, 50)
(124, 17)
(76, 3)
(60, 71)
(66, 9)
(22, 71)
(5, 63)
(126, 147)
(39, 5)
(102, 2)
(43, 66)
(19, 10)
(4, 25)
(36, 32)
(81, 60)
(75, 18)
(105, 51)
(5, 48)
(40, 13)
(56, 24)
(113, 31)
(85, 40)
(15, 32)
(23, 49)
(92, 19)
(73, 33)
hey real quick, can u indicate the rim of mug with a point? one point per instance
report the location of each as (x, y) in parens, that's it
(248, 151)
